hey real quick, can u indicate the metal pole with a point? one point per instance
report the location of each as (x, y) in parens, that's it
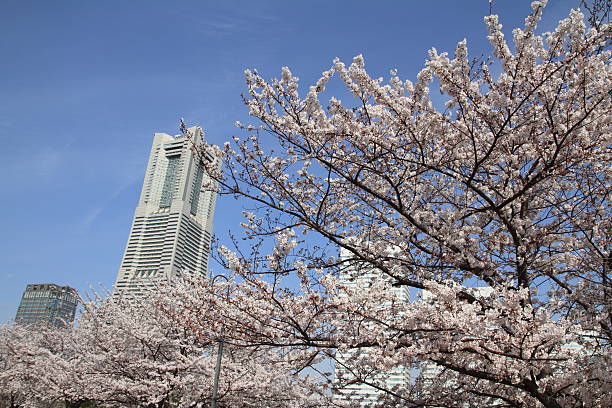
(213, 402)
(213, 399)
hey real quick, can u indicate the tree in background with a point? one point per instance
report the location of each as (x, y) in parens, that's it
(130, 353)
(37, 367)
(506, 185)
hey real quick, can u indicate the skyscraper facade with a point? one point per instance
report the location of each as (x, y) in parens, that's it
(47, 304)
(353, 381)
(172, 227)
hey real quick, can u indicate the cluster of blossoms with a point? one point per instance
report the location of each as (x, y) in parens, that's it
(131, 353)
(507, 187)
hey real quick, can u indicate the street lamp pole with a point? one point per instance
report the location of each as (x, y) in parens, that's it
(213, 400)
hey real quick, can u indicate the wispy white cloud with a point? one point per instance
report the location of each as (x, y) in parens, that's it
(226, 21)
(89, 218)
(45, 162)
(92, 215)
(26, 170)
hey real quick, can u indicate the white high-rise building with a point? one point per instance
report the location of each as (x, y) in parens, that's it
(173, 222)
(351, 379)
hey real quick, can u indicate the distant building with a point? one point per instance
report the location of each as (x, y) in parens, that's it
(352, 380)
(47, 303)
(172, 227)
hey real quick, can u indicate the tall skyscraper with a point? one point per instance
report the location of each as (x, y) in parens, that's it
(353, 380)
(173, 221)
(47, 303)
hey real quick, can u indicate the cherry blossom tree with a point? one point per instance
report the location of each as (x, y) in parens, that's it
(253, 377)
(36, 367)
(505, 185)
(12, 373)
(128, 352)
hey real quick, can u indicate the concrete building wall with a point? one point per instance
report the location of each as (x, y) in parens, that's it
(172, 227)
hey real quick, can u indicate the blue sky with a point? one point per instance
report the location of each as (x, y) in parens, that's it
(85, 84)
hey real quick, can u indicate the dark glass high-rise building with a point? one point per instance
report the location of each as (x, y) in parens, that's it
(47, 303)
